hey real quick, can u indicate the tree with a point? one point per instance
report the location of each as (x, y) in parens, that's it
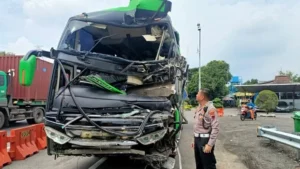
(214, 76)
(192, 71)
(252, 81)
(3, 53)
(267, 100)
(294, 77)
(218, 103)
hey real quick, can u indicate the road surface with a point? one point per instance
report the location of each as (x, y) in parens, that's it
(16, 125)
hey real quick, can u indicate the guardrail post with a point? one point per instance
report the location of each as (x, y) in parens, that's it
(298, 150)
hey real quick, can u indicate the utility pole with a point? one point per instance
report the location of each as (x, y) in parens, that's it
(199, 50)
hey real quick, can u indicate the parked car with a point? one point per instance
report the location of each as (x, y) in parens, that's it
(283, 107)
(259, 109)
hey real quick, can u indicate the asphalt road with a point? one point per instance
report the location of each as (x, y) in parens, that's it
(237, 148)
(16, 125)
(240, 138)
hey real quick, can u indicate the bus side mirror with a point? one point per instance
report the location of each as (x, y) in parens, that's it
(27, 69)
(168, 7)
(27, 66)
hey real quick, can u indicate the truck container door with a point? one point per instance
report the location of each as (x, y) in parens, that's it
(3, 89)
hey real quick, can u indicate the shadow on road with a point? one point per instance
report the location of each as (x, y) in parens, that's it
(15, 125)
(124, 163)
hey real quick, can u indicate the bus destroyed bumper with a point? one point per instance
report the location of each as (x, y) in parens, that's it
(61, 139)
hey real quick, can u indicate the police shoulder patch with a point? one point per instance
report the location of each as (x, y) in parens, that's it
(212, 113)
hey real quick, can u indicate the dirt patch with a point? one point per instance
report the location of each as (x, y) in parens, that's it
(240, 138)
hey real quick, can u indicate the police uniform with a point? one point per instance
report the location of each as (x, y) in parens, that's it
(206, 129)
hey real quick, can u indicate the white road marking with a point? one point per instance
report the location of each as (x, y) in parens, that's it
(98, 163)
(180, 134)
(179, 155)
(179, 158)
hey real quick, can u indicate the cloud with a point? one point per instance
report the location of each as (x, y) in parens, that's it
(257, 38)
(46, 19)
(42, 21)
(21, 46)
(45, 11)
(266, 44)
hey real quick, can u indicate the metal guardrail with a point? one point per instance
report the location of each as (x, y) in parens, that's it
(272, 133)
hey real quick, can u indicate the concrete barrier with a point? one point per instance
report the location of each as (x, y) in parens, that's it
(41, 138)
(22, 142)
(4, 156)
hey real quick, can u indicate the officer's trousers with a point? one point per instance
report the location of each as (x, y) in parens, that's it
(204, 160)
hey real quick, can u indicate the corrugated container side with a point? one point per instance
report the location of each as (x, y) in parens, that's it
(39, 88)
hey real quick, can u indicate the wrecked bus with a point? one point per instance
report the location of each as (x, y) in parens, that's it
(117, 84)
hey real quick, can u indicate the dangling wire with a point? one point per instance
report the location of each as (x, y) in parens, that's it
(138, 133)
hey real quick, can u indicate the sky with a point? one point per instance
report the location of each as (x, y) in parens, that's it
(258, 38)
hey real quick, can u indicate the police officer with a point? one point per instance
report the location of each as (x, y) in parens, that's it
(206, 129)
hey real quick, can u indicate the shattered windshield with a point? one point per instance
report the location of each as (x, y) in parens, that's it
(143, 43)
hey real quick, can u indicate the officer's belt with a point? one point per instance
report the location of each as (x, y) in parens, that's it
(201, 135)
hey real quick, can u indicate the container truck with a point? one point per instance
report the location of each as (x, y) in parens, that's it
(117, 85)
(18, 102)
